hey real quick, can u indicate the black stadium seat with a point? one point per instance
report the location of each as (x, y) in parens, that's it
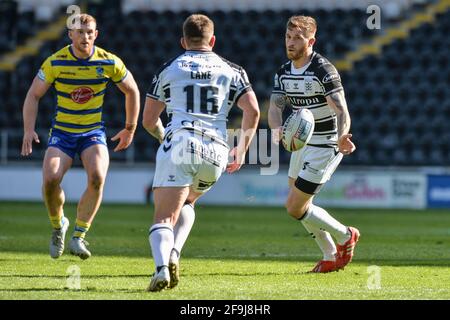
(401, 95)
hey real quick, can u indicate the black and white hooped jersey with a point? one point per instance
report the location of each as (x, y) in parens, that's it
(199, 88)
(308, 88)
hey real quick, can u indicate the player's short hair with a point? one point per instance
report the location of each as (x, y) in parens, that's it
(83, 19)
(307, 24)
(198, 29)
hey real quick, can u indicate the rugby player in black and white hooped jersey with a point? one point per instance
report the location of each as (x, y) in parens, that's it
(308, 80)
(197, 89)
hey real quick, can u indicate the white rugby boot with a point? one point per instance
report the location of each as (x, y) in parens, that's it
(57, 240)
(174, 269)
(160, 280)
(78, 248)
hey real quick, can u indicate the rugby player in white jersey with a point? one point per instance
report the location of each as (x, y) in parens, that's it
(197, 89)
(310, 81)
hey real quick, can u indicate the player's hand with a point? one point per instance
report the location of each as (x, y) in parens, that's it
(27, 143)
(276, 135)
(238, 157)
(346, 146)
(125, 138)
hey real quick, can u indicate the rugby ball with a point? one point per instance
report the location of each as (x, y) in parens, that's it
(297, 130)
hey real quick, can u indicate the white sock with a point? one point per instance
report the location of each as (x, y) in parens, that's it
(161, 243)
(323, 240)
(183, 227)
(319, 218)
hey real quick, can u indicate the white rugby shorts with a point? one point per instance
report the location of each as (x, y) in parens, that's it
(187, 158)
(314, 164)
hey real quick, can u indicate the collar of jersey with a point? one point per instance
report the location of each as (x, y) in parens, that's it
(198, 51)
(81, 59)
(305, 67)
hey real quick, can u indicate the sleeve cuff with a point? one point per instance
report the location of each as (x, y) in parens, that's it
(333, 91)
(245, 90)
(123, 78)
(149, 95)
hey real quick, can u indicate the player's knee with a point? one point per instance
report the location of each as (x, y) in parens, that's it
(96, 181)
(51, 181)
(295, 210)
(291, 209)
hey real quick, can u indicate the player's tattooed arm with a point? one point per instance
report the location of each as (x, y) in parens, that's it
(278, 100)
(337, 101)
(277, 104)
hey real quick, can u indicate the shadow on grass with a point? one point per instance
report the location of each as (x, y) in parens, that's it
(202, 274)
(38, 276)
(67, 290)
(264, 257)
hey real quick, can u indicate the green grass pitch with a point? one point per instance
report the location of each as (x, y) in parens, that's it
(232, 253)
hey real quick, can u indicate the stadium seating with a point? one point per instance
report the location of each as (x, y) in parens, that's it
(404, 94)
(399, 100)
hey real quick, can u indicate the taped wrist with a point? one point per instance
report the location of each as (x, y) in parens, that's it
(131, 127)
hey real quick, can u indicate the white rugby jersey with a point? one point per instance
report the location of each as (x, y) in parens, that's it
(199, 88)
(308, 88)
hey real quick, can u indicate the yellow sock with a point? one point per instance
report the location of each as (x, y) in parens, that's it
(81, 228)
(56, 221)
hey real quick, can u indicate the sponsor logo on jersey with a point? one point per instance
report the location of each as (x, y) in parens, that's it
(82, 95)
(68, 73)
(331, 76)
(100, 72)
(171, 178)
(304, 101)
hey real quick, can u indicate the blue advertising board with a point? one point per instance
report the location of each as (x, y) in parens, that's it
(438, 193)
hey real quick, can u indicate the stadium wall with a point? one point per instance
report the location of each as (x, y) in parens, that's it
(348, 188)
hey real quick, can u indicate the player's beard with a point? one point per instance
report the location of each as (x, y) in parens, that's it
(297, 55)
(86, 49)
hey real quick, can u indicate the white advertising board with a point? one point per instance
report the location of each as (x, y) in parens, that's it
(368, 189)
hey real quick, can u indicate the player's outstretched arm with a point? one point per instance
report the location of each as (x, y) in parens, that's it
(30, 109)
(129, 87)
(337, 102)
(150, 119)
(249, 105)
(277, 104)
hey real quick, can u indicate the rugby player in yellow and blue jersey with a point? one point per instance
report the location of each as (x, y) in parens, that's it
(79, 73)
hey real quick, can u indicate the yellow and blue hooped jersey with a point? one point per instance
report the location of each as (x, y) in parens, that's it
(80, 86)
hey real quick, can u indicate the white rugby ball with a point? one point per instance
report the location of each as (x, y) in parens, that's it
(297, 130)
